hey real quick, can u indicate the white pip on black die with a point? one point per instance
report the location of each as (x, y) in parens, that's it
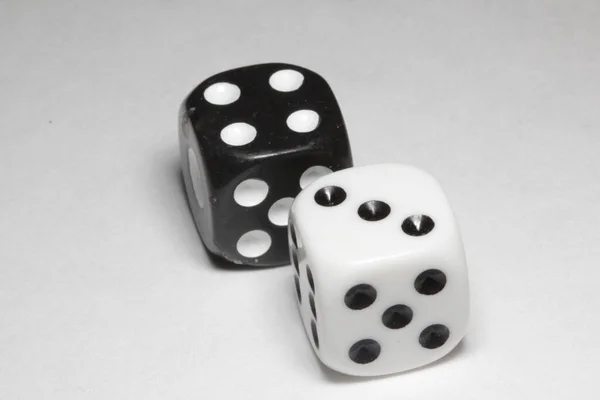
(380, 269)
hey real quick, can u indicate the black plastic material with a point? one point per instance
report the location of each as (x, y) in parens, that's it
(434, 336)
(364, 351)
(360, 296)
(397, 316)
(430, 282)
(277, 155)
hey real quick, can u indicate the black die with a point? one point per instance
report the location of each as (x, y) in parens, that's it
(251, 138)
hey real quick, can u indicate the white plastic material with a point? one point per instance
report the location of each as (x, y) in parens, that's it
(238, 134)
(254, 243)
(303, 121)
(280, 210)
(250, 192)
(312, 174)
(343, 250)
(222, 93)
(286, 80)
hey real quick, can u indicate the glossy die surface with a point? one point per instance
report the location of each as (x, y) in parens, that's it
(380, 269)
(250, 140)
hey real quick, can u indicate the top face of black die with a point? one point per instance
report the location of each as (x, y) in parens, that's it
(251, 113)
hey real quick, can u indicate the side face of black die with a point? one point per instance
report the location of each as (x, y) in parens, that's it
(251, 138)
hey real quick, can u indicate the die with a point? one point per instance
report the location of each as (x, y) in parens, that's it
(380, 270)
(250, 139)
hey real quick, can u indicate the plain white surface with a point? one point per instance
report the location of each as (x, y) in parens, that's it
(105, 292)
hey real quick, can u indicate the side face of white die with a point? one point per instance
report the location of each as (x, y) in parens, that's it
(380, 269)
(304, 284)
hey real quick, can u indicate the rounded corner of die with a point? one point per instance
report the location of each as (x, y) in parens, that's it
(298, 212)
(332, 364)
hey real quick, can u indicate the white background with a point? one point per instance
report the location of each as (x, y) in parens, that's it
(105, 290)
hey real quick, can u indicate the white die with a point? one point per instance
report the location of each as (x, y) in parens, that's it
(380, 269)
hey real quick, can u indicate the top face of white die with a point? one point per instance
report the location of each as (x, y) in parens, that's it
(373, 214)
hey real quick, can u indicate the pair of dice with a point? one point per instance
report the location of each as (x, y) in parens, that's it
(379, 265)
